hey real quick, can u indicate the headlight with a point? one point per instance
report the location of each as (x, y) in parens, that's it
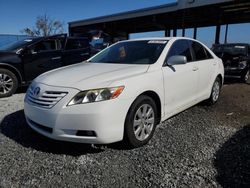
(95, 95)
(242, 64)
(31, 87)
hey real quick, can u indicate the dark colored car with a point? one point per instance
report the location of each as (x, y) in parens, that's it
(96, 48)
(22, 61)
(236, 59)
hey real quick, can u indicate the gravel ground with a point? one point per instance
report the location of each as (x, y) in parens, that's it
(201, 147)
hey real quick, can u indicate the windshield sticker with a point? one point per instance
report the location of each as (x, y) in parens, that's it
(243, 47)
(157, 42)
(122, 52)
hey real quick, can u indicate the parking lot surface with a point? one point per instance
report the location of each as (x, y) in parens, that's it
(201, 147)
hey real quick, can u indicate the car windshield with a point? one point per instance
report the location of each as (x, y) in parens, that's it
(131, 52)
(234, 50)
(15, 45)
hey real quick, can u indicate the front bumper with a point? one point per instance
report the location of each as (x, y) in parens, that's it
(235, 72)
(61, 122)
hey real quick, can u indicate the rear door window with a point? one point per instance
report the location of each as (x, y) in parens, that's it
(209, 55)
(46, 45)
(73, 44)
(200, 53)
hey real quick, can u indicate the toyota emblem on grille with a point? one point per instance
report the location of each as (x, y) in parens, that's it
(36, 91)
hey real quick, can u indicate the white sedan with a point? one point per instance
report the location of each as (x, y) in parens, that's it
(123, 92)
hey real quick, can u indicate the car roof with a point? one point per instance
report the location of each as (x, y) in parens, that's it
(232, 44)
(56, 36)
(161, 38)
(155, 38)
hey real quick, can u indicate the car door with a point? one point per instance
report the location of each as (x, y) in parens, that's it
(76, 50)
(180, 81)
(42, 56)
(207, 68)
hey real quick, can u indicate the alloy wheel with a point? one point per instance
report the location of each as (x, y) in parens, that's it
(216, 91)
(144, 120)
(6, 83)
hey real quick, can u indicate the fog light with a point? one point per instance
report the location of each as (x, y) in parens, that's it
(86, 133)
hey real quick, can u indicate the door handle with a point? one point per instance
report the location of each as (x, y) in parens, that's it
(195, 68)
(55, 58)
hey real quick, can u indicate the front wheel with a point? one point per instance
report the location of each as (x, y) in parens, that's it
(245, 77)
(140, 122)
(215, 93)
(8, 83)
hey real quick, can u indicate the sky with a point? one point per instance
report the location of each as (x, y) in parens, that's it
(16, 15)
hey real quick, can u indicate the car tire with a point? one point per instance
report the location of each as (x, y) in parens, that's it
(215, 92)
(8, 83)
(140, 122)
(245, 77)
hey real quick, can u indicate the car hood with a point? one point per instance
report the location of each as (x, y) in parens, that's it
(5, 56)
(90, 75)
(9, 57)
(3, 53)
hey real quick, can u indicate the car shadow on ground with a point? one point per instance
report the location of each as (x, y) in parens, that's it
(232, 161)
(14, 126)
(22, 89)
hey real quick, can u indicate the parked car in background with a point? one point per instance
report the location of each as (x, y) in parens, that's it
(97, 47)
(22, 61)
(236, 59)
(124, 91)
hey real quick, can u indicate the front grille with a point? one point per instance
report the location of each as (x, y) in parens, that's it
(45, 99)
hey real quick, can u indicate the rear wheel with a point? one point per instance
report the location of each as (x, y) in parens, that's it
(8, 83)
(215, 93)
(140, 122)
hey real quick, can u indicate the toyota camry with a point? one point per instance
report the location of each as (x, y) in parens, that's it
(124, 91)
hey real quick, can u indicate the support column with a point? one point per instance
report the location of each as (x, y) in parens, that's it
(195, 33)
(70, 32)
(217, 35)
(174, 32)
(127, 35)
(226, 32)
(167, 33)
(183, 32)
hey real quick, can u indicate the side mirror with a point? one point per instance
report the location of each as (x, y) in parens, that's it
(23, 51)
(20, 51)
(177, 60)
